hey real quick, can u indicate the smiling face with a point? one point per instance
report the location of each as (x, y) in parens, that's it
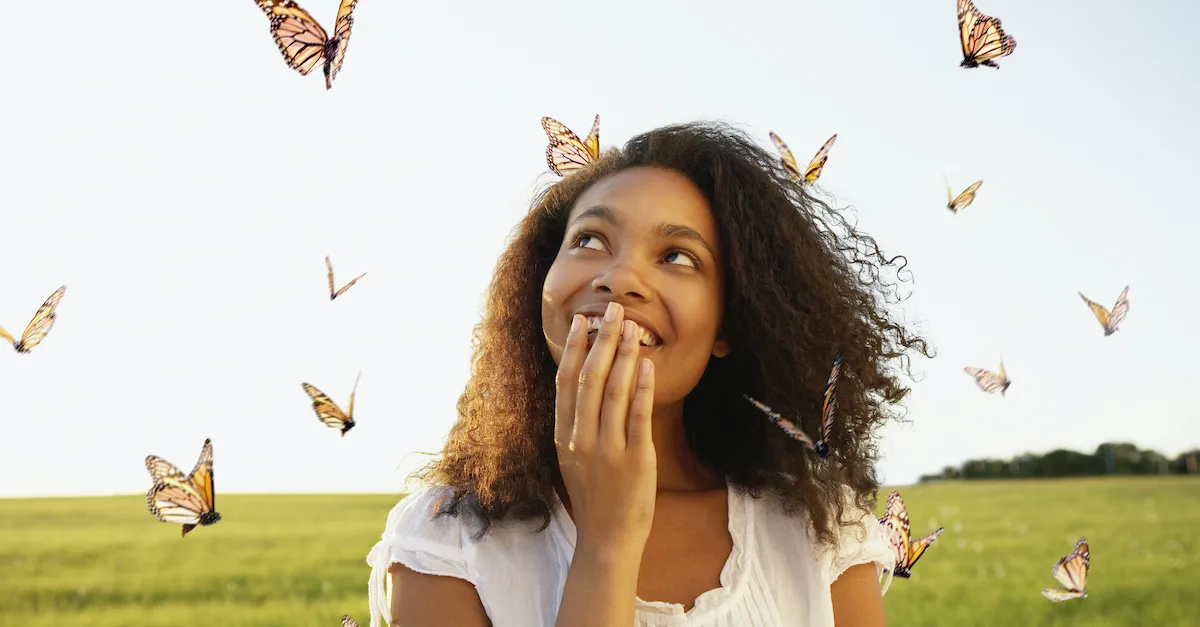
(645, 238)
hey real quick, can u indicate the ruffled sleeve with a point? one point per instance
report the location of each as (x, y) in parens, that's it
(861, 543)
(413, 537)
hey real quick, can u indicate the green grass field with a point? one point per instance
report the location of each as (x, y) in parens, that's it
(299, 560)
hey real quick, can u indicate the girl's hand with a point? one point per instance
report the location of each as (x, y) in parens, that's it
(603, 407)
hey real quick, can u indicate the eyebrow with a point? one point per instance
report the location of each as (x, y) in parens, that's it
(662, 229)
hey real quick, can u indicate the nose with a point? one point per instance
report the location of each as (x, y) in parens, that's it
(621, 279)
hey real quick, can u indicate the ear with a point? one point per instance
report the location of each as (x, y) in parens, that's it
(721, 348)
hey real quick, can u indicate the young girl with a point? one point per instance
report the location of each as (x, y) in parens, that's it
(606, 469)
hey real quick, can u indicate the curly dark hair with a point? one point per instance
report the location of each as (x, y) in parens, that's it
(801, 286)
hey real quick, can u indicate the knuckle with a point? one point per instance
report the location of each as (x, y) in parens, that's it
(612, 394)
(626, 350)
(586, 375)
(606, 333)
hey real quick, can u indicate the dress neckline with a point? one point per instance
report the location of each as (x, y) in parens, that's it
(733, 573)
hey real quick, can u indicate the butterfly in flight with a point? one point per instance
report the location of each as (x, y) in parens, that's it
(328, 412)
(828, 409)
(303, 42)
(566, 153)
(983, 40)
(187, 500)
(963, 200)
(1072, 572)
(1110, 320)
(813, 171)
(332, 293)
(42, 321)
(347, 621)
(896, 530)
(988, 381)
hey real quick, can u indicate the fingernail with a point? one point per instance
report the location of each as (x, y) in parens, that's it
(575, 322)
(612, 312)
(645, 366)
(627, 330)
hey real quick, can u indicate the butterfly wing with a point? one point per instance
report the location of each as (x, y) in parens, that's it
(1120, 308)
(1098, 310)
(299, 37)
(201, 477)
(987, 380)
(829, 407)
(10, 339)
(918, 548)
(963, 200)
(982, 37)
(348, 622)
(329, 269)
(566, 153)
(348, 285)
(327, 411)
(1058, 594)
(592, 141)
(813, 171)
(789, 427)
(341, 40)
(160, 469)
(896, 529)
(42, 322)
(176, 502)
(1071, 571)
(786, 157)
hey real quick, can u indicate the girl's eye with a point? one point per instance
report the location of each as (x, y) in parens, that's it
(676, 255)
(588, 240)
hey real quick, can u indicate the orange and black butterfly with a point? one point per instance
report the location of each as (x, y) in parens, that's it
(983, 40)
(328, 412)
(1072, 572)
(988, 381)
(828, 409)
(896, 530)
(303, 42)
(813, 171)
(41, 324)
(187, 500)
(566, 153)
(963, 200)
(347, 621)
(334, 294)
(1110, 320)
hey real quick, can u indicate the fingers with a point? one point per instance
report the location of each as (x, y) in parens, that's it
(615, 407)
(642, 407)
(593, 376)
(566, 380)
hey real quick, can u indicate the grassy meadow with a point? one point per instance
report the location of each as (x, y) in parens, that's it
(300, 560)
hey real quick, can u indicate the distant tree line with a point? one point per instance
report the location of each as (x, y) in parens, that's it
(1110, 458)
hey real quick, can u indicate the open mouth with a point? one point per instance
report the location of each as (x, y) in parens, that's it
(645, 336)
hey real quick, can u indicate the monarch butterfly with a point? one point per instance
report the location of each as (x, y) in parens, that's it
(566, 153)
(988, 381)
(963, 200)
(328, 412)
(347, 621)
(1110, 320)
(42, 321)
(1072, 572)
(332, 293)
(813, 171)
(828, 408)
(982, 37)
(303, 42)
(188, 500)
(896, 529)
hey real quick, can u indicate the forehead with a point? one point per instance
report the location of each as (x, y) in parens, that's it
(648, 197)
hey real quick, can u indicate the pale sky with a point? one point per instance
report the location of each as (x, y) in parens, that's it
(165, 164)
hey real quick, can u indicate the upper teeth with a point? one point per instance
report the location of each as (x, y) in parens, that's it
(645, 338)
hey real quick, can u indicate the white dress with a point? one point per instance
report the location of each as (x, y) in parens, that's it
(774, 577)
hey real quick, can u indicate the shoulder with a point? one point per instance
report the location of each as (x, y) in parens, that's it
(417, 536)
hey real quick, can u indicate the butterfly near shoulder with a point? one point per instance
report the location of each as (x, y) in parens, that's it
(897, 530)
(328, 412)
(304, 43)
(189, 499)
(1072, 572)
(828, 410)
(813, 171)
(983, 40)
(566, 152)
(41, 324)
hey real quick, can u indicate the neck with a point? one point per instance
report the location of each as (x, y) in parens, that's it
(678, 467)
